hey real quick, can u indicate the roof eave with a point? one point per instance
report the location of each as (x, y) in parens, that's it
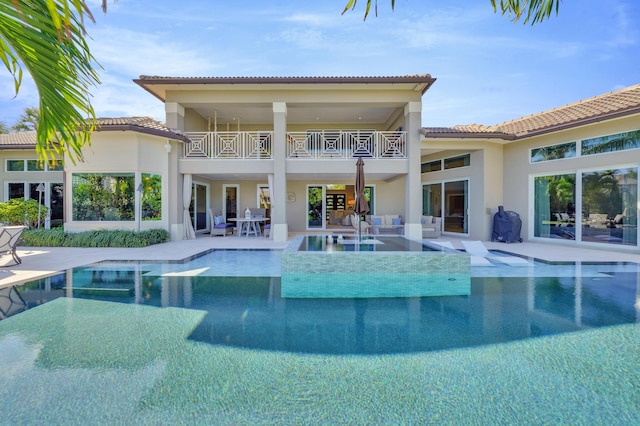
(16, 146)
(145, 130)
(146, 81)
(469, 135)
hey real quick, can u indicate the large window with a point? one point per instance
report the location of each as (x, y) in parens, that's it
(597, 206)
(33, 166)
(553, 152)
(151, 196)
(459, 161)
(431, 166)
(610, 143)
(103, 196)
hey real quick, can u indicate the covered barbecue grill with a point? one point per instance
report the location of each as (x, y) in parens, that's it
(506, 226)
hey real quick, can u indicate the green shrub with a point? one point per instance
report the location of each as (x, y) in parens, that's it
(103, 238)
(17, 211)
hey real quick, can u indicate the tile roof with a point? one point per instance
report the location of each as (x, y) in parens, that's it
(598, 108)
(145, 125)
(139, 124)
(22, 140)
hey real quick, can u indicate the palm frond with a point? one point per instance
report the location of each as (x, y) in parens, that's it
(47, 39)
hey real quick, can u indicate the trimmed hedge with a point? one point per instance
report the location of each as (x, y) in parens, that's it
(104, 238)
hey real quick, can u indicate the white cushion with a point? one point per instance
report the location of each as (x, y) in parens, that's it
(427, 220)
(388, 218)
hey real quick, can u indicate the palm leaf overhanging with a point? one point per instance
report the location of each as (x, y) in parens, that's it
(47, 38)
(532, 10)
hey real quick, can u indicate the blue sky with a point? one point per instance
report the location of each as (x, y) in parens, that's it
(488, 69)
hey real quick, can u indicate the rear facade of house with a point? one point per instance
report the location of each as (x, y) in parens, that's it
(290, 145)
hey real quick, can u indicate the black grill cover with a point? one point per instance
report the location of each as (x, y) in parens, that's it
(506, 226)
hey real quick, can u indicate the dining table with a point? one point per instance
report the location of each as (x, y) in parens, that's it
(249, 226)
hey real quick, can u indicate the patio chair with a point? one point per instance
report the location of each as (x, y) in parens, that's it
(477, 248)
(218, 225)
(9, 237)
(358, 223)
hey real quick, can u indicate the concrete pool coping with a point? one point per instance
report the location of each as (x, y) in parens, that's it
(42, 262)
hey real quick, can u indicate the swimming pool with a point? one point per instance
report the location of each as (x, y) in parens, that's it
(202, 343)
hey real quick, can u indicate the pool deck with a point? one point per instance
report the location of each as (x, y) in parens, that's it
(43, 262)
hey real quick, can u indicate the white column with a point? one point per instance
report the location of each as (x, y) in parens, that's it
(413, 189)
(175, 115)
(175, 120)
(279, 227)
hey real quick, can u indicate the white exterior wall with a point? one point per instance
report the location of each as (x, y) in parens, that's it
(125, 152)
(518, 170)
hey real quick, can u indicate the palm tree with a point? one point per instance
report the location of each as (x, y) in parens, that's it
(3, 128)
(528, 10)
(28, 120)
(47, 38)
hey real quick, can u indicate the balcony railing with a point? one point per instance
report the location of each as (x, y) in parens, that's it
(325, 144)
(238, 145)
(346, 144)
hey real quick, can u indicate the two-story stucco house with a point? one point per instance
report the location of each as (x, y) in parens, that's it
(290, 144)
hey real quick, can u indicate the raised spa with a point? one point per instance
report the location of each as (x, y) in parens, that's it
(317, 266)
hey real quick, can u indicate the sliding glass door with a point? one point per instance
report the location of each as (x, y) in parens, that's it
(595, 206)
(609, 206)
(454, 204)
(198, 207)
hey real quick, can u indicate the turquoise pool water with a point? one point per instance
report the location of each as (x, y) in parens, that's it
(210, 341)
(333, 267)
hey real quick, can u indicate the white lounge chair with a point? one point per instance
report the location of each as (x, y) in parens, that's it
(9, 237)
(475, 260)
(477, 248)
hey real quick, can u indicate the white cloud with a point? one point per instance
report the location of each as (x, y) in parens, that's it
(135, 53)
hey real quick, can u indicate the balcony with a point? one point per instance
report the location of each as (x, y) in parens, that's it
(321, 144)
(346, 144)
(228, 145)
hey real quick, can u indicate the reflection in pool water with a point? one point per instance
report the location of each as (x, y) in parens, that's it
(185, 345)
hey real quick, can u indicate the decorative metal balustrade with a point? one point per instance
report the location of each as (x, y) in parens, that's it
(237, 145)
(324, 144)
(346, 144)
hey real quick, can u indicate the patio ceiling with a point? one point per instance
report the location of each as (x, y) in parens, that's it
(308, 114)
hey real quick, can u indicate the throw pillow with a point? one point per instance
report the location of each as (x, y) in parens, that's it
(396, 221)
(217, 220)
(376, 221)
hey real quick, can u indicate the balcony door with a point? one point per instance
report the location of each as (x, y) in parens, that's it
(198, 207)
(230, 200)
